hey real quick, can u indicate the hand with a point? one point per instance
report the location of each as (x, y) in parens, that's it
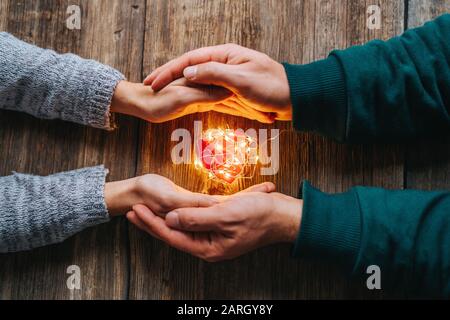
(253, 218)
(176, 100)
(156, 192)
(259, 83)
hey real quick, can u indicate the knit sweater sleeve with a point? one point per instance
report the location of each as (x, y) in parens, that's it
(49, 85)
(382, 91)
(37, 211)
(406, 233)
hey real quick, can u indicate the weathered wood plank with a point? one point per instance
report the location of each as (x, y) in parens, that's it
(421, 11)
(112, 32)
(3, 16)
(295, 31)
(306, 31)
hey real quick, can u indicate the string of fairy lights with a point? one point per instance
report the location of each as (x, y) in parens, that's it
(226, 155)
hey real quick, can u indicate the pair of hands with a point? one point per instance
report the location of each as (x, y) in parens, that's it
(210, 227)
(228, 78)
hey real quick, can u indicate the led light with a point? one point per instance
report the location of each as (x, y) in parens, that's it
(198, 164)
(230, 165)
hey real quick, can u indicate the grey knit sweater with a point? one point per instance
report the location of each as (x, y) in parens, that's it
(37, 211)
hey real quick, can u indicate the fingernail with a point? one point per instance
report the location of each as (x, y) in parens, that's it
(147, 78)
(190, 72)
(172, 220)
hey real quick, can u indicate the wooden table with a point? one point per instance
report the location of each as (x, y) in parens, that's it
(119, 262)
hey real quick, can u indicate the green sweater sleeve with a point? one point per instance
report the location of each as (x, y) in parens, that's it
(385, 91)
(406, 233)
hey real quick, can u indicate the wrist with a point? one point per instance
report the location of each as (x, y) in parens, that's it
(120, 196)
(119, 99)
(285, 90)
(127, 96)
(288, 212)
(319, 98)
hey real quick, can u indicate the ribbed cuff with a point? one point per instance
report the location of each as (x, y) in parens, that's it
(318, 97)
(86, 188)
(103, 84)
(330, 226)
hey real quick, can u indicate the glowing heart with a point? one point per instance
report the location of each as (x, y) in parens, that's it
(226, 155)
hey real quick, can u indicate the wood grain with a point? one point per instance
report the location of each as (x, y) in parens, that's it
(111, 32)
(135, 36)
(294, 31)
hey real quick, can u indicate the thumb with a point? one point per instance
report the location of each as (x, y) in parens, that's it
(214, 73)
(193, 219)
(266, 187)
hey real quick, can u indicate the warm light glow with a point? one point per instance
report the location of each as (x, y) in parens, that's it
(226, 155)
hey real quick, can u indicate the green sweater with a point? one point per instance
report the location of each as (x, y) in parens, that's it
(381, 91)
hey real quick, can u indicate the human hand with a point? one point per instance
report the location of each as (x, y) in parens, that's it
(259, 83)
(156, 192)
(178, 99)
(250, 219)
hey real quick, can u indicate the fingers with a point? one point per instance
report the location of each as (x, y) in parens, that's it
(222, 108)
(249, 112)
(213, 73)
(227, 108)
(211, 94)
(194, 219)
(203, 98)
(201, 93)
(178, 239)
(193, 200)
(172, 70)
(266, 187)
(134, 219)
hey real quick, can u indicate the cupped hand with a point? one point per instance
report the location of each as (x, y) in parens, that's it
(237, 224)
(259, 83)
(178, 99)
(156, 192)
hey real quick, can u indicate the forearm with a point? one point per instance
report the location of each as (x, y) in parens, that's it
(37, 211)
(406, 233)
(387, 91)
(50, 85)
